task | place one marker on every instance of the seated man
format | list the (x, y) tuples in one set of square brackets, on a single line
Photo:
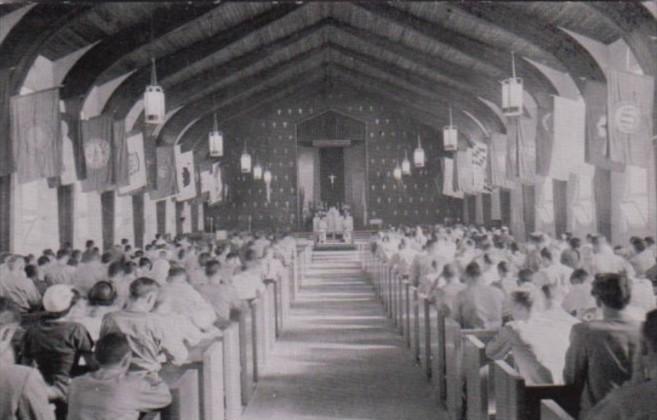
[(221, 294), (23, 392), (15, 285), (184, 300), (143, 329), (112, 392), (538, 343), (634, 401), (578, 301), (601, 352), (478, 305)]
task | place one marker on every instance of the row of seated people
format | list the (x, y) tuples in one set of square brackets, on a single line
[(92, 345), (564, 312)]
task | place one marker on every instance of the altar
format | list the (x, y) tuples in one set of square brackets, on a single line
[(334, 225)]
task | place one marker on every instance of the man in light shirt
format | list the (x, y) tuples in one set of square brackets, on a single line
[(60, 272), (478, 305), (161, 266)]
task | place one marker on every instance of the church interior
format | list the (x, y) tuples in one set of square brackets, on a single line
[(323, 210)]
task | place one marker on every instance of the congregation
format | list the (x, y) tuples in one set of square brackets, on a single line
[(85, 335), (562, 311)]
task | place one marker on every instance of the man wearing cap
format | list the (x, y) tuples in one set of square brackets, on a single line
[(56, 344)]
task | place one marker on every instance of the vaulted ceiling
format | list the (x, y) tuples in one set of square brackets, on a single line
[(231, 57)]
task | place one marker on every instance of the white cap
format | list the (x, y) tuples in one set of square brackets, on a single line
[(58, 298)]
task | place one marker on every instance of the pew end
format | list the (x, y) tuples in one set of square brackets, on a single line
[(184, 386)]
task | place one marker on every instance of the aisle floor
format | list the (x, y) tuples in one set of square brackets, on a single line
[(339, 357)]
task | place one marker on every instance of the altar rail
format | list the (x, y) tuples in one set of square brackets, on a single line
[(467, 385)]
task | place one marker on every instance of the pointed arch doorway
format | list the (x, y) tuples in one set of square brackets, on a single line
[(331, 166)]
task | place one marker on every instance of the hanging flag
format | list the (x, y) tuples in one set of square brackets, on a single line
[(7, 163), (497, 159), (35, 134), (568, 150), (136, 164), (206, 181), (629, 116), (464, 171), (521, 149), (216, 193), (479, 167), (448, 177), (597, 138), (544, 139), (120, 155), (185, 175), (97, 137), (166, 173), (69, 173)]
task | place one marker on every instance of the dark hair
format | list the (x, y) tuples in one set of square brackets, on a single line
[(649, 240), (250, 255), (106, 257), (102, 293), (142, 287), (176, 271), (111, 349), (30, 270), (578, 276), (613, 290), (473, 270), (143, 262), (522, 297), (115, 268), (575, 243), (545, 253), (649, 329), (212, 267), (525, 276), (503, 267), (63, 253), (639, 245), (89, 244)]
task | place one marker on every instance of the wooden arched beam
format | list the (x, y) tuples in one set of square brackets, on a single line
[(497, 61), (207, 104), (82, 76), (124, 97), (23, 43), (575, 59)]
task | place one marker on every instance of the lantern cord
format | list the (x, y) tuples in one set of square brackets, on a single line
[(513, 64), (450, 116)]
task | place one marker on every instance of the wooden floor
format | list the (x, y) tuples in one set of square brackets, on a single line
[(338, 357)]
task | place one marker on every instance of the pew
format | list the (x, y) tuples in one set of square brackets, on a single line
[(232, 371), (480, 404), (454, 374), (514, 400), (183, 384), (247, 351), (438, 374), (550, 410), (259, 337)]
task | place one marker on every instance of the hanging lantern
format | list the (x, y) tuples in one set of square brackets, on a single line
[(406, 165), (216, 140), (512, 89), (418, 155), (245, 161), (257, 171), (154, 104), (266, 176), (450, 135), (397, 172)]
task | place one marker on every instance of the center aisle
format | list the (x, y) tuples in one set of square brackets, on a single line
[(338, 357)]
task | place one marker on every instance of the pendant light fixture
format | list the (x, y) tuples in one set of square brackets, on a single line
[(257, 171), (266, 176), (419, 156), (154, 102), (397, 172), (450, 135), (216, 140), (406, 165), (512, 90), (245, 160)]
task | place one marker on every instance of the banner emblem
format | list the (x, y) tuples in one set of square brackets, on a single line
[(627, 117), (97, 153)]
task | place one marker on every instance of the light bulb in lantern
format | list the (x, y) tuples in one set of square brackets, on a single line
[(245, 161), (257, 171), (216, 140), (406, 165), (154, 101), (512, 93), (397, 172), (419, 157), (267, 176)]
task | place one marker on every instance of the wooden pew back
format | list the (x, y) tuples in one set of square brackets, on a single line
[(184, 385), (550, 410), (516, 401), (479, 389)]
